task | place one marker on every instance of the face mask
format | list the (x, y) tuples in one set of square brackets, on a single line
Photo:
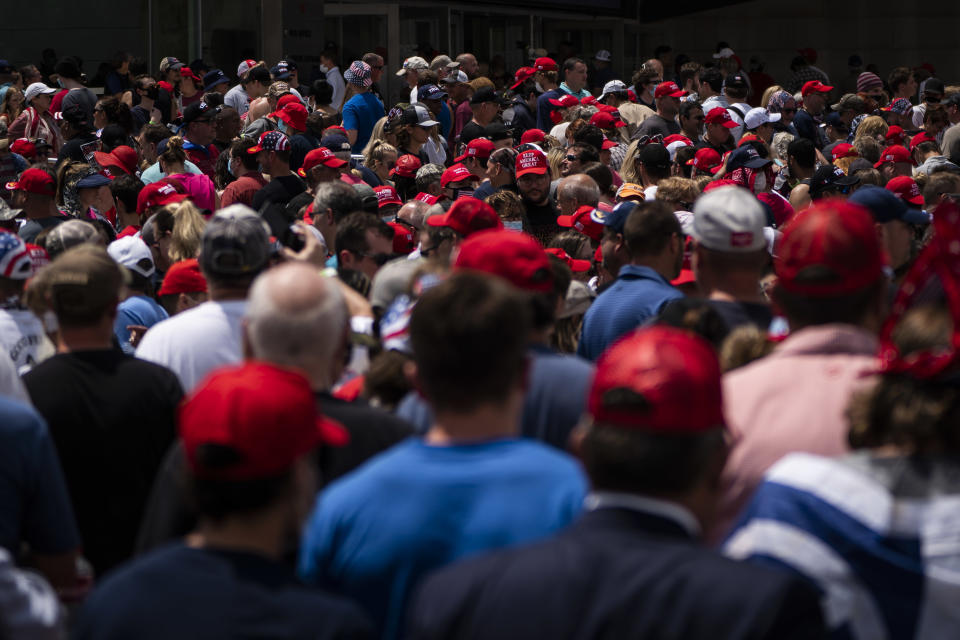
[(230, 167), (324, 68), (539, 87), (653, 89), (59, 82), (259, 168), (461, 193), (513, 225), (760, 183)]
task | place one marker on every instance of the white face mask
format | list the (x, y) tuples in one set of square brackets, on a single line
[(760, 183), (513, 225), (539, 87), (324, 68)]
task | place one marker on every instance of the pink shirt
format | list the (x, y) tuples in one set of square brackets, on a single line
[(795, 399)]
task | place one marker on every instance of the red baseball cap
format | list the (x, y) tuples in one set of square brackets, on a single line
[(477, 148), (832, 236), (426, 197), (645, 381), (456, 173), (522, 75), (894, 153), (515, 257), (158, 194), (123, 158), (845, 150), (407, 166), (894, 134), (34, 181), (387, 195), (669, 89), (532, 136), (545, 64), (606, 120), (402, 238), (565, 101), (294, 114), (532, 161), (320, 156), (706, 159), (23, 147), (577, 266), (608, 144), (907, 189), (582, 221), (265, 414), (183, 277), (814, 85), (719, 115), (467, 216), (921, 137), (289, 98)]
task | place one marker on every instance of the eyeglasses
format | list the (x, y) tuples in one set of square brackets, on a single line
[(406, 224), (572, 158), (788, 110), (98, 109), (379, 259)]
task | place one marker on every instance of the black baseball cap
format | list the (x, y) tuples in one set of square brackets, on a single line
[(829, 177), (486, 94)]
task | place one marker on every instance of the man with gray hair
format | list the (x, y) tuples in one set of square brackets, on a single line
[(294, 317), (576, 191), (235, 248), (428, 179), (333, 202)]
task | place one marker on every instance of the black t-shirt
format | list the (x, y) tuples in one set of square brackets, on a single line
[(738, 314), (73, 148), (719, 148), (112, 417), (541, 221), (471, 131), (656, 125), (140, 117), (186, 593), (169, 514), (279, 190)]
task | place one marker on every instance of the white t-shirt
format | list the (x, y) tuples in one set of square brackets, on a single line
[(335, 78), (23, 338), (197, 341), (10, 384)]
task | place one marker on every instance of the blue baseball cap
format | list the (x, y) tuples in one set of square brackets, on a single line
[(431, 92), (92, 181), (885, 206), (213, 78), (615, 219)]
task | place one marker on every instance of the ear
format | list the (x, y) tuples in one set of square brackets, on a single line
[(245, 330), (345, 258), (576, 438)]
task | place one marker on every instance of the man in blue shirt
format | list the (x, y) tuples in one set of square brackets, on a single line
[(139, 310), (470, 485), (545, 80), (362, 111), (807, 118), (645, 242)]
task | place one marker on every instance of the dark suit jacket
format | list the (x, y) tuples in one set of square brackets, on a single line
[(616, 573)]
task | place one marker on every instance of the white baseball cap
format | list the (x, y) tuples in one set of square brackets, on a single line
[(603, 55), (35, 90), (758, 116), (729, 219), (614, 86), (413, 62), (134, 254), (726, 52)]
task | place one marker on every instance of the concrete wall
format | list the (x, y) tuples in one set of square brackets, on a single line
[(887, 33)]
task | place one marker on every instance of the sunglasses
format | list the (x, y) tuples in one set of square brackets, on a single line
[(788, 110), (404, 223), (571, 158), (379, 259)]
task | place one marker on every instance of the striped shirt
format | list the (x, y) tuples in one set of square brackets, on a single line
[(879, 536)]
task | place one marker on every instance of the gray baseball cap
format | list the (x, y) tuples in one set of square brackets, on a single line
[(236, 242)]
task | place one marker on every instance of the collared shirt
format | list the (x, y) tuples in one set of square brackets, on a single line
[(795, 399), (638, 294), (583, 93), (660, 508)]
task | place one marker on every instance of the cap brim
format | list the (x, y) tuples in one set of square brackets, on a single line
[(846, 181), (579, 266), (916, 216), (686, 277), (332, 432), (438, 221), (774, 117), (730, 124), (254, 149), (756, 163), (537, 170), (386, 203), (565, 221), (428, 123), (401, 72)]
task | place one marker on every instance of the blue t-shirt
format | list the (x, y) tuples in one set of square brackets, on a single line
[(34, 504), (806, 127), (210, 593), (136, 310), (544, 108), (416, 507), (361, 113), (638, 294), (445, 119)]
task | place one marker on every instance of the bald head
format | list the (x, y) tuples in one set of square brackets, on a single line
[(576, 191), (297, 318), (653, 63), (414, 213)]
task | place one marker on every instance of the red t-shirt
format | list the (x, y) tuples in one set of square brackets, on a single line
[(242, 189), (206, 162), (57, 103), (130, 230)]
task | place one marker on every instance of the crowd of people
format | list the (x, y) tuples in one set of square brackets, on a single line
[(557, 355)]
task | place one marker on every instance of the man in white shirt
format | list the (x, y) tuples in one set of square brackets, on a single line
[(236, 247), (22, 335), (328, 64)]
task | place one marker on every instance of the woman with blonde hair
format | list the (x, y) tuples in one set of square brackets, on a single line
[(874, 127), (11, 106), (188, 225), (630, 168), (380, 157), (555, 159)]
